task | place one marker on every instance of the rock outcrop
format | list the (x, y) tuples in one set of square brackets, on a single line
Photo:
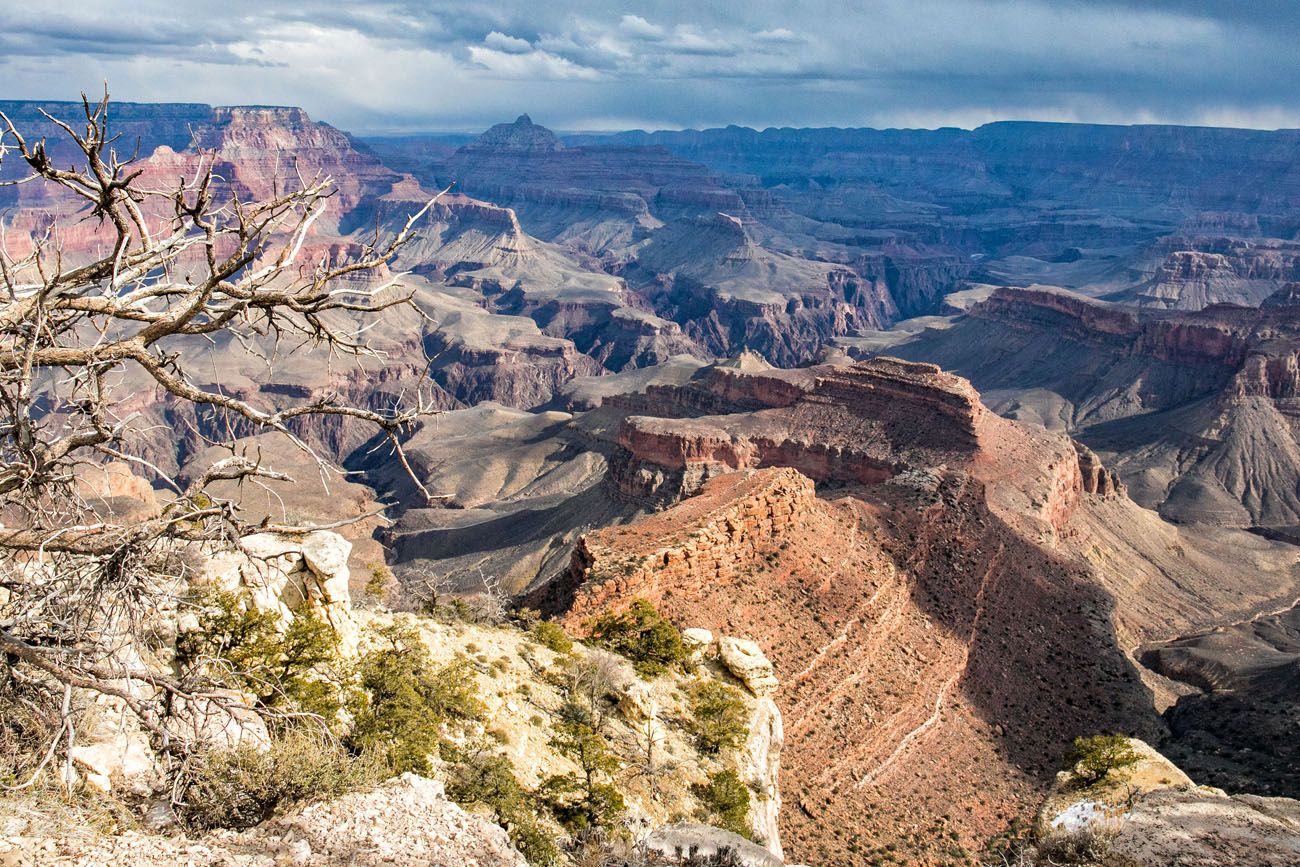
[(746, 661), (407, 821), (1201, 271), (1152, 815), (285, 574), (678, 843), (861, 422), (731, 526)]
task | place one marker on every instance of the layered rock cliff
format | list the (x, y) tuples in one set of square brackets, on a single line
[(1193, 409), (904, 612)]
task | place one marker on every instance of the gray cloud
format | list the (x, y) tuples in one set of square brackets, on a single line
[(579, 64)]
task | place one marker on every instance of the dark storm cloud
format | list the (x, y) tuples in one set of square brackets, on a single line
[(374, 64)]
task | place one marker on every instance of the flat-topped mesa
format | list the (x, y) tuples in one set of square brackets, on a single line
[(1218, 334), (1041, 306), (900, 392), (743, 384), (862, 422), (708, 541)]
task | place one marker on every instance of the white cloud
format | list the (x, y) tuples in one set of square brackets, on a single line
[(509, 44), (535, 65), (779, 35), (578, 63), (638, 27)]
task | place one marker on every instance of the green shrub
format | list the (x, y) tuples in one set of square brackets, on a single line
[(489, 780), (243, 648), (552, 635), (378, 585), (719, 719), (642, 635), (587, 799), (1092, 759), (405, 698), (726, 803), (242, 787)]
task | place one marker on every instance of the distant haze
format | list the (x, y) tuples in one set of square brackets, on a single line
[(376, 66)]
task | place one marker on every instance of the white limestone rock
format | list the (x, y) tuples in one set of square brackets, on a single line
[(697, 641), (746, 660), (284, 573)]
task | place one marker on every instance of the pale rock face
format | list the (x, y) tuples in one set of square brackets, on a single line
[(283, 573), (117, 755), (698, 641), (1156, 816), (746, 660), (760, 767), (760, 759), (672, 842)]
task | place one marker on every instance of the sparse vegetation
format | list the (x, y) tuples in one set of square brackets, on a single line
[(726, 802), (1094, 758), (1087, 846), (481, 778), (380, 584), (587, 799), (241, 787), (243, 648), (643, 635), (552, 635), (719, 719), (405, 698)]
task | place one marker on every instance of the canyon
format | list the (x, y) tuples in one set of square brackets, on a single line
[(985, 439)]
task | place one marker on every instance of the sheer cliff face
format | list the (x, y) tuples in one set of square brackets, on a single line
[(1195, 410), (947, 596), (1197, 272)]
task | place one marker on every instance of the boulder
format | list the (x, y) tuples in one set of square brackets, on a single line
[(1153, 815), (746, 660), (675, 844), (697, 641), (119, 760)]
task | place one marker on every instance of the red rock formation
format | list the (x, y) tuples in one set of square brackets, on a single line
[(939, 632), (861, 422), (709, 543)]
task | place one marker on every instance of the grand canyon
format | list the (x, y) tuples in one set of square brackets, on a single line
[(936, 450)]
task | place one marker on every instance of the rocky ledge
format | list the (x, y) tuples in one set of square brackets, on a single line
[(407, 821), (862, 422), (708, 541)]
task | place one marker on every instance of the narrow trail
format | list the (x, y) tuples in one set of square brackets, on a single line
[(849, 627), (941, 697), (884, 627), (903, 745)]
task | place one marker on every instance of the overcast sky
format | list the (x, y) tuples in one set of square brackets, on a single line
[(378, 65)]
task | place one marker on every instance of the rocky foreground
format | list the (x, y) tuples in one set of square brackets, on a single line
[(406, 821)]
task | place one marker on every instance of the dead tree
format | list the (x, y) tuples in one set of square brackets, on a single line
[(170, 269)]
